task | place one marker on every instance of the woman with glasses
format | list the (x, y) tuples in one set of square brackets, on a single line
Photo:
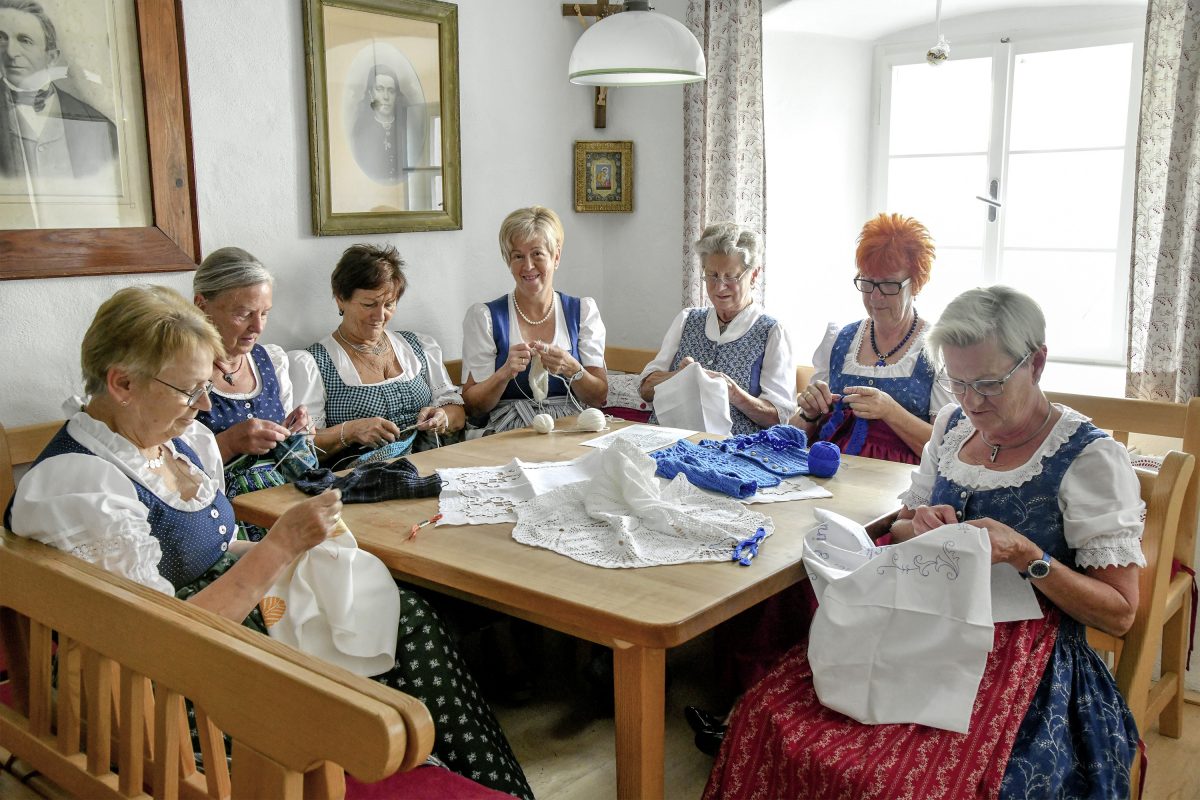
[(734, 339), (1060, 503), (134, 484), (873, 392), (532, 350)]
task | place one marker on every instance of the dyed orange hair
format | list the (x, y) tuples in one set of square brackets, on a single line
[(891, 243)]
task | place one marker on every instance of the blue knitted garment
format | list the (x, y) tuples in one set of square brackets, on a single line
[(710, 468), (780, 449)]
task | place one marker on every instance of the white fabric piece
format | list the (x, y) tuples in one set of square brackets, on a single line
[(777, 379), (1099, 495), (644, 437), (623, 517), (338, 603), (309, 389), (901, 633), (486, 495), (479, 348), (797, 488), (693, 399)]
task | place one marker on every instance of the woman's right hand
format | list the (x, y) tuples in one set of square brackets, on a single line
[(927, 518), (816, 400), (256, 436), (519, 356), (305, 525), (372, 431)]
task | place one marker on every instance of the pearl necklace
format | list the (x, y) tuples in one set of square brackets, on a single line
[(883, 357), (369, 349), (228, 376), (157, 461), (549, 313), (996, 448)]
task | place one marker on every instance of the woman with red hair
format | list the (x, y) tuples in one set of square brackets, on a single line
[(873, 392)]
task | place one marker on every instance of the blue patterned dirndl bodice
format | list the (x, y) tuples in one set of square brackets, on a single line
[(518, 387), (1078, 738), (229, 411), (191, 541), (395, 400), (912, 392), (741, 359)]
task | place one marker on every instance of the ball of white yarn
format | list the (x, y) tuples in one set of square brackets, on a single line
[(591, 419), (543, 423)]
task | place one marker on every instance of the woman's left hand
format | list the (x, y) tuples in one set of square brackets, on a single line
[(733, 389), (1008, 546), (869, 403), (432, 418), (556, 360)]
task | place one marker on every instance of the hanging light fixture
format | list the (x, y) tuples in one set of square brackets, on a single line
[(636, 47), (940, 51)]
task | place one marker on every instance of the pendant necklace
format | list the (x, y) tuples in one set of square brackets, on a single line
[(228, 376), (157, 461), (549, 313), (369, 349), (883, 357), (996, 448)]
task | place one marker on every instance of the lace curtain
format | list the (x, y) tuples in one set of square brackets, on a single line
[(724, 174), (1164, 313)]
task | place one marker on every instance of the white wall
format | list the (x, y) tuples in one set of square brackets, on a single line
[(520, 118), (816, 93)]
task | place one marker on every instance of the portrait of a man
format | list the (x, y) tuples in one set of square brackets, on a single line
[(378, 137), (46, 132)]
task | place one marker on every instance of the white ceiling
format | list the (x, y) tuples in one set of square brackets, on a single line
[(868, 20)]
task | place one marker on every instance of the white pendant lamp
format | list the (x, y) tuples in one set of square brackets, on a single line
[(636, 47)]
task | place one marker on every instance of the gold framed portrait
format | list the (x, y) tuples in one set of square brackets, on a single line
[(604, 177)]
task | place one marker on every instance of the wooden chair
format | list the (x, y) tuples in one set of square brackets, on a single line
[(1177, 421)]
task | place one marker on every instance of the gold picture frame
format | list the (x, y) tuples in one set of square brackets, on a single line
[(383, 116), (604, 177)]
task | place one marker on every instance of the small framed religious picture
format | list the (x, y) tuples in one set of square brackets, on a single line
[(383, 115), (604, 176)]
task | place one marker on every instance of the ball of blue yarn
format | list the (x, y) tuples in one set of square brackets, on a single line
[(824, 458)]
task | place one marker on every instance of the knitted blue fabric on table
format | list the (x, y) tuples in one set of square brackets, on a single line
[(710, 468), (780, 449)]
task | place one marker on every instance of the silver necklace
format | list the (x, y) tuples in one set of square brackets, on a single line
[(996, 448), (157, 461), (549, 313), (369, 349)]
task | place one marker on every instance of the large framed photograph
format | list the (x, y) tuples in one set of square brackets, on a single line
[(383, 115), (95, 164), (604, 176)]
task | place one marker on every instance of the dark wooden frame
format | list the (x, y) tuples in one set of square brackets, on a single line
[(172, 242), (325, 221)]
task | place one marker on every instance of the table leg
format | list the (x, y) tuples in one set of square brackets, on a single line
[(639, 685)]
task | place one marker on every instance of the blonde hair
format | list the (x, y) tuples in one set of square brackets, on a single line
[(528, 223), (141, 329)]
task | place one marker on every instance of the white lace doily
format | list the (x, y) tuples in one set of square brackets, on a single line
[(623, 517)]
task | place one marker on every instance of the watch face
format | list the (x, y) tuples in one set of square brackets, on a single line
[(1039, 568)]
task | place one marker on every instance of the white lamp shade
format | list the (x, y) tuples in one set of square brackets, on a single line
[(636, 48)]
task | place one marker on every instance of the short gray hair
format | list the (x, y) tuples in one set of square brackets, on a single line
[(228, 268), (1012, 318), (731, 239)]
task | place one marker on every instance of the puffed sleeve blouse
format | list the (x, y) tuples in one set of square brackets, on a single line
[(309, 389), (87, 506), (1099, 496), (479, 346)]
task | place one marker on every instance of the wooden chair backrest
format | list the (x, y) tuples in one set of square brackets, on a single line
[(20, 446)]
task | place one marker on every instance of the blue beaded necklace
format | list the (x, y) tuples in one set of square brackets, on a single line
[(883, 357)]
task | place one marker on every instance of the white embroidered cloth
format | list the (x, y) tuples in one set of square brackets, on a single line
[(644, 437), (624, 517), (485, 495)]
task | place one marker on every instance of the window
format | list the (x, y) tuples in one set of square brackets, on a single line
[(1019, 157)]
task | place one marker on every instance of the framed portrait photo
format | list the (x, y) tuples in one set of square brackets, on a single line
[(604, 176), (96, 171), (383, 115)]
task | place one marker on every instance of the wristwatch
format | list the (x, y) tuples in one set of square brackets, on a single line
[(1039, 567), (576, 376)]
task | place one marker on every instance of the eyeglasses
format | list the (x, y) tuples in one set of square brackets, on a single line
[(984, 388), (193, 397), (889, 288), (724, 280)]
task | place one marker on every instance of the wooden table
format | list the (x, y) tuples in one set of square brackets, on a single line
[(639, 613)]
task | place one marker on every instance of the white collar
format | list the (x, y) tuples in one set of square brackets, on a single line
[(737, 327)]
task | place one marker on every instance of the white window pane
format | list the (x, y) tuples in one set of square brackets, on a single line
[(940, 191), (1071, 98), (945, 109), (1077, 293), (1064, 199), (954, 271)]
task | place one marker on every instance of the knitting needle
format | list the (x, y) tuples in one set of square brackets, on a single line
[(412, 532)]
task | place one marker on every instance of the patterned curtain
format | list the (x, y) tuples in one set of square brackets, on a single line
[(724, 174), (1164, 307)]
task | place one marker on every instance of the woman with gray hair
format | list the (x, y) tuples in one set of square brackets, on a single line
[(1060, 503), (734, 339)]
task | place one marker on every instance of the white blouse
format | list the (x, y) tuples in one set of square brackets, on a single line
[(479, 348), (279, 360), (1099, 496), (777, 381), (88, 506), (938, 397), (309, 389)]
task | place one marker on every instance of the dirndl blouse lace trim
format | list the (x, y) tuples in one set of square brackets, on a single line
[(1109, 534)]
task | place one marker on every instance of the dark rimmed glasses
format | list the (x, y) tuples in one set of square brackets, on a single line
[(889, 288), (193, 397), (984, 388)]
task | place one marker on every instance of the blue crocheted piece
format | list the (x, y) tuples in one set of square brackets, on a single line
[(780, 449), (710, 468), (858, 433)]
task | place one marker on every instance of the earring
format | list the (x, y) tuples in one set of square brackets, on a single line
[(341, 312), (124, 402)]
